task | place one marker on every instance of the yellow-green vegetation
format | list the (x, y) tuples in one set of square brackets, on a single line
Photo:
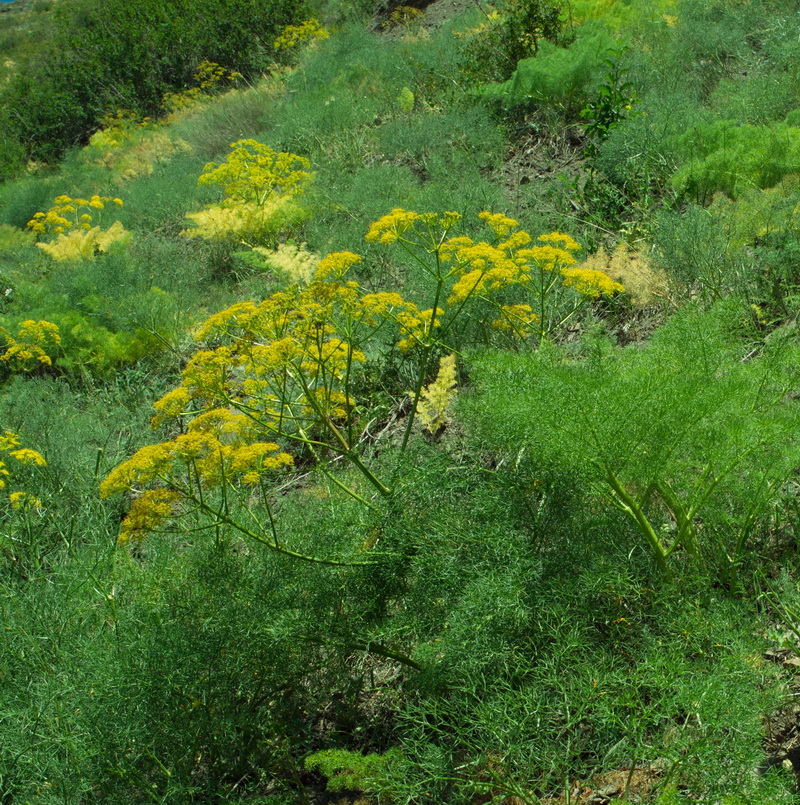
[(304, 33), (68, 225), (423, 427), (260, 187), (10, 448)]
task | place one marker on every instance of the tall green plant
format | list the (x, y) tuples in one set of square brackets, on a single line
[(690, 437)]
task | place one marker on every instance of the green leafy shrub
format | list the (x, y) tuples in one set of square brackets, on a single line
[(123, 56), (730, 157), (680, 433), (350, 771), (511, 33), (564, 77), (106, 312)]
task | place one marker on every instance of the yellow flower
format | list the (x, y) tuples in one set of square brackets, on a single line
[(22, 500), (516, 319), (336, 264), (8, 440), (500, 224), (590, 282), (143, 467), (148, 512), (27, 456), (392, 226), (560, 240), (171, 406), (435, 399), (293, 35)]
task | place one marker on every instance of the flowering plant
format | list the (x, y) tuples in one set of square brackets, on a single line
[(71, 220), (29, 348), (274, 382), (21, 456), (260, 185)]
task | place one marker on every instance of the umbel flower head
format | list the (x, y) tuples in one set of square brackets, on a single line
[(29, 348), (20, 457), (69, 225), (435, 399)]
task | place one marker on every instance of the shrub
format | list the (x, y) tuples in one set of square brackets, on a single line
[(684, 436), (731, 157), (510, 34), (260, 186), (564, 77), (123, 55)]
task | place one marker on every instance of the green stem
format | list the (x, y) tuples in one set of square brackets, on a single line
[(343, 447), (423, 370), (630, 505), (369, 647), (226, 520)]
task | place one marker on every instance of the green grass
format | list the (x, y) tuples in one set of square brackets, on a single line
[(514, 632)]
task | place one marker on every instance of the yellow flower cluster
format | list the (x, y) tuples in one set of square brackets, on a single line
[(117, 128), (436, 398), (23, 500), (208, 76), (84, 244), (294, 35), (273, 371), (23, 456), (147, 513), (516, 319), (295, 262), (393, 226), (253, 171), (27, 350), (27, 456), (415, 326), (69, 213), (482, 270), (260, 185), (500, 224), (336, 265), (69, 222), (590, 282), (207, 455), (241, 220)]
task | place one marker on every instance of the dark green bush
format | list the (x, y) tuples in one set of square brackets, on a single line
[(564, 77), (517, 32), (105, 56)]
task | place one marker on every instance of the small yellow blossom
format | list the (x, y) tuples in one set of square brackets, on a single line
[(590, 282), (392, 226), (516, 319), (435, 399), (22, 500), (27, 456), (171, 406), (293, 35), (336, 265), (26, 351), (500, 224), (8, 440), (148, 512)]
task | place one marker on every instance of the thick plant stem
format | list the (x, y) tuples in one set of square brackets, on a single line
[(417, 394), (631, 506)]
